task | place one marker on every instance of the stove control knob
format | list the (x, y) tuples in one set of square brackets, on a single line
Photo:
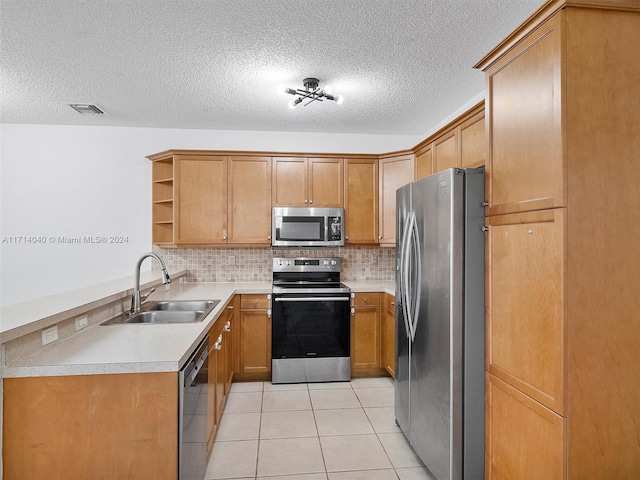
[(279, 263), (289, 263), (334, 263), (325, 262)]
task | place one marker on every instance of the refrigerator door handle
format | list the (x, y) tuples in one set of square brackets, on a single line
[(408, 267), (417, 285), (403, 279)]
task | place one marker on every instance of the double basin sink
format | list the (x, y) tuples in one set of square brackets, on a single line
[(164, 312)]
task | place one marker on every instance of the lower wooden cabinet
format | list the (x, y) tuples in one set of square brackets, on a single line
[(91, 426), (389, 334), (255, 336), (525, 440), (220, 370), (365, 334)]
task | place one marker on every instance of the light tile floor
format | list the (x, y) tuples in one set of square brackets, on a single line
[(315, 431)]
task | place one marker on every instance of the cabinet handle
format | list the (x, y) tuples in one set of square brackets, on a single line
[(346, 237), (310, 201), (353, 295), (485, 228), (268, 296), (392, 304), (230, 307), (306, 201), (269, 313), (353, 311), (380, 237), (227, 327), (485, 204), (269, 237)]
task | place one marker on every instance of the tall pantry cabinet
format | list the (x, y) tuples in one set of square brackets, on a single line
[(563, 255)]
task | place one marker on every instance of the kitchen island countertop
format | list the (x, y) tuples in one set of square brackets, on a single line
[(135, 348)]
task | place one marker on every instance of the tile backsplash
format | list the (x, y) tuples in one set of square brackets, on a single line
[(254, 264)]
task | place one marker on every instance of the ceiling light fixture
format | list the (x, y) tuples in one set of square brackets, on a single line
[(312, 92)]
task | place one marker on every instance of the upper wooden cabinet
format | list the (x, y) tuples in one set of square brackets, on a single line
[(394, 172), (249, 204), (307, 182), (424, 162), (201, 199), (446, 151), (462, 143), (473, 141), (361, 201), (527, 170)]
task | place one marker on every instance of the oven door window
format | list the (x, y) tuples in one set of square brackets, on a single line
[(300, 229), (310, 326)]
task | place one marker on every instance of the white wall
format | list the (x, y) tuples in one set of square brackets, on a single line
[(70, 181)]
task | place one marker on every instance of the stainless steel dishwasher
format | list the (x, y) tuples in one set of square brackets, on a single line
[(192, 405)]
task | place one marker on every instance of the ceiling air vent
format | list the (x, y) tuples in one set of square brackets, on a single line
[(87, 109)]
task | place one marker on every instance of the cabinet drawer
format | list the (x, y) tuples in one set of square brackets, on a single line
[(366, 299), (255, 301)]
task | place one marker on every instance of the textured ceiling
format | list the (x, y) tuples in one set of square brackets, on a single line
[(401, 65)]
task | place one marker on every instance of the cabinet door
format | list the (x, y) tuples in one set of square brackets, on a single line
[(255, 334), (289, 182), (473, 143), (361, 200), (527, 168), (201, 199), (220, 348), (389, 335), (249, 211), (365, 331), (326, 182), (424, 163), (394, 173), (526, 297), (525, 440), (446, 152), (227, 335)]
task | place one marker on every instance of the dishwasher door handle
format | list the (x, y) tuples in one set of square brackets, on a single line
[(313, 299)]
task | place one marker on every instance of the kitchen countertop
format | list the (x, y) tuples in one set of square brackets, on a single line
[(131, 348)]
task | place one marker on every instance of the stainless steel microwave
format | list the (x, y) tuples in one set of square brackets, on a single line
[(307, 227)]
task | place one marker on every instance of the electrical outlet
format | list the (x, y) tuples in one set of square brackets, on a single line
[(232, 259), (81, 322), (49, 335)]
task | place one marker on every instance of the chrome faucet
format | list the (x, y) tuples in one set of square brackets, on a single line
[(137, 298)]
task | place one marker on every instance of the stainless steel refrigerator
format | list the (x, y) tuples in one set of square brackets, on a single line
[(439, 387)]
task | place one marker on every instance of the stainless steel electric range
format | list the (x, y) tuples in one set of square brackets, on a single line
[(311, 324)]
